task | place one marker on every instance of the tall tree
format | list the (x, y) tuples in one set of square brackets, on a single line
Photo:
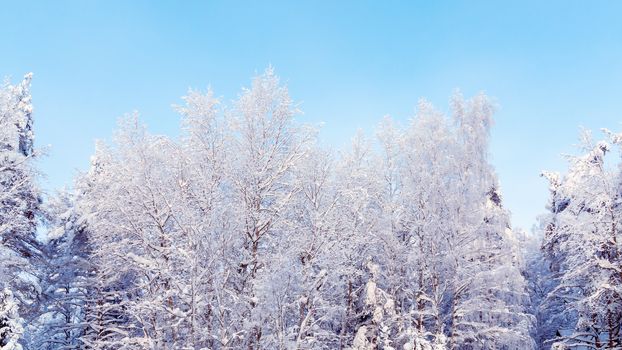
[(489, 295), (583, 305), (20, 252), (266, 147), (66, 278)]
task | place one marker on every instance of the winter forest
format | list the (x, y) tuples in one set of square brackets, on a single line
[(245, 233)]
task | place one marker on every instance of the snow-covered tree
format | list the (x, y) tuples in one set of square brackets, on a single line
[(265, 148), (66, 278), (244, 233), (140, 241), (20, 251), (583, 305), (489, 295), (11, 328), (428, 175)]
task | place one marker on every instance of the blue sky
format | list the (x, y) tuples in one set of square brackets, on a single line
[(552, 66)]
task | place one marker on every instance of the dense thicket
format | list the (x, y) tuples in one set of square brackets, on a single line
[(244, 233)]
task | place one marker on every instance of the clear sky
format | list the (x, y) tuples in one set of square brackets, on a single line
[(552, 66)]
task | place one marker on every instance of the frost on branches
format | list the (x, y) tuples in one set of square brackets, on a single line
[(10, 322), (20, 252), (582, 307), (245, 233)]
